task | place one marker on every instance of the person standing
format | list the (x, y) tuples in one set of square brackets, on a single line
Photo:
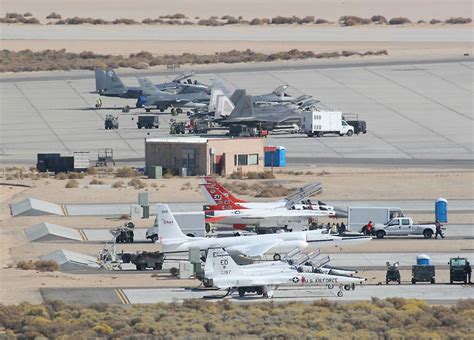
[(438, 230), (468, 271), (370, 228)]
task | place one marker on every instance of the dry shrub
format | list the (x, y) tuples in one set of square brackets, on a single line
[(53, 15), (308, 173), (61, 176), (124, 217), (124, 21), (72, 183), (309, 19), (252, 175), (379, 19), (279, 20), (40, 265), (269, 190), (27, 14), (323, 173), (136, 183), (351, 20), (187, 186), (96, 182), (173, 16), (399, 21), (435, 21), (210, 22), (458, 20), (75, 175), (259, 21), (126, 172), (118, 184), (321, 21), (91, 170)]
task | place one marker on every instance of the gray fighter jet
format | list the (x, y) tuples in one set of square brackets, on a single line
[(246, 112), (153, 97), (108, 84), (279, 96)]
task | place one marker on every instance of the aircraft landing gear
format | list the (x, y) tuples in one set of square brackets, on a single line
[(277, 257), (340, 293)]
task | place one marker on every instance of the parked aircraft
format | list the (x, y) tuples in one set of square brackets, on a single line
[(108, 84), (174, 240), (266, 117), (220, 198), (153, 97), (279, 96), (226, 274)]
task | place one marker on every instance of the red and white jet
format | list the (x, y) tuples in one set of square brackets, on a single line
[(226, 209)]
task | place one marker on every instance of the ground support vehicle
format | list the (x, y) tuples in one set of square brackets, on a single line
[(148, 122), (177, 128), (111, 122), (456, 269), (423, 273), (246, 131), (144, 260), (393, 274), (320, 123)]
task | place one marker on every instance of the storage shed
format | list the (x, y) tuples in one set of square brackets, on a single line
[(191, 156)]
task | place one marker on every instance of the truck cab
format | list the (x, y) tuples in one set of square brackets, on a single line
[(402, 226)]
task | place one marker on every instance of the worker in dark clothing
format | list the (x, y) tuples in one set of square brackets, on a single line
[(468, 271), (369, 228), (438, 230), (342, 228)]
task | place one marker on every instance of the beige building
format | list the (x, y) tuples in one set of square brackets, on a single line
[(205, 156)]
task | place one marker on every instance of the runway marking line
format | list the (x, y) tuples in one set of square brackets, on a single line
[(122, 297), (83, 235)]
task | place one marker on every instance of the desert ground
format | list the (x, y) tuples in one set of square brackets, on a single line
[(338, 183)]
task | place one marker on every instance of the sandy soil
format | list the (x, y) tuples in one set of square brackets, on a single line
[(17, 285), (331, 10)]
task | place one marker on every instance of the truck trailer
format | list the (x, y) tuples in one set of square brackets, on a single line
[(319, 123), (358, 217)]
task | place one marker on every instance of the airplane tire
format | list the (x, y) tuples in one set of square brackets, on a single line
[(340, 293), (241, 292), (347, 287), (331, 286), (154, 238), (277, 257)]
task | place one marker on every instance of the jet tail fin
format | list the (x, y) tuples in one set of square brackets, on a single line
[(168, 228), (217, 194), (147, 86), (100, 79), (112, 82), (243, 104), (221, 264)]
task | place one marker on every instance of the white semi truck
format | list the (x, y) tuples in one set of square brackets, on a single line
[(319, 123)]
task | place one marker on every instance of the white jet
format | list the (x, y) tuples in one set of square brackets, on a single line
[(174, 240), (226, 274)]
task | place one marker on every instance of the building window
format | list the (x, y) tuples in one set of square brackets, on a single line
[(253, 159), (240, 159)]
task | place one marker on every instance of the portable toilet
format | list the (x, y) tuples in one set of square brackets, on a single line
[(275, 156), (423, 260), (441, 210)]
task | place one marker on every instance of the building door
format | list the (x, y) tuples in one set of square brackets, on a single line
[(189, 161), (218, 164)]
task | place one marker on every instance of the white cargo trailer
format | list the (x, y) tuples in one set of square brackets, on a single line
[(319, 123), (358, 217)]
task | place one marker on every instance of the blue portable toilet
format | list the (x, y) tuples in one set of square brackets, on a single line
[(441, 210), (275, 156), (423, 260)]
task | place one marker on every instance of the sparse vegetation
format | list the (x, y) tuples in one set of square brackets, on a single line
[(48, 60), (379, 19), (252, 175), (118, 184), (53, 15), (61, 176), (40, 265), (75, 175), (321, 21), (354, 20), (393, 318), (258, 190), (435, 21), (91, 171), (72, 183), (126, 172), (96, 182), (136, 183), (458, 20), (17, 18), (399, 21)]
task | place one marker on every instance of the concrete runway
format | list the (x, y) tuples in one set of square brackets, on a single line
[(417, 114), (436, 294)]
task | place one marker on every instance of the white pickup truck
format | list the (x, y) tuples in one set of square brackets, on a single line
[(402, 226)]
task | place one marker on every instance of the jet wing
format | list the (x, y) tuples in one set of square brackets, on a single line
[(257, 249)]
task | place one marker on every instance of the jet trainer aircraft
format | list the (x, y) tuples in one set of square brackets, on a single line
[(108, 84), (162, 100), (264, 280), (173, 240)]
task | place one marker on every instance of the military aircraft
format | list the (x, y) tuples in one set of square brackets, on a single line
[(173, 240), (265, 117), (279, 96), (153, 97), (219, 198), (264, 280), (108, 84)]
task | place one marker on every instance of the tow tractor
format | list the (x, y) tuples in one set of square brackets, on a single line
[(456, 269)]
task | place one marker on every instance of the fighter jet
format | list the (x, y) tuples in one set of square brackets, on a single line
[(153, 97), (108, 84), (264, 280), (219, 198), (279, 96), (173, 240), (266, 117)]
